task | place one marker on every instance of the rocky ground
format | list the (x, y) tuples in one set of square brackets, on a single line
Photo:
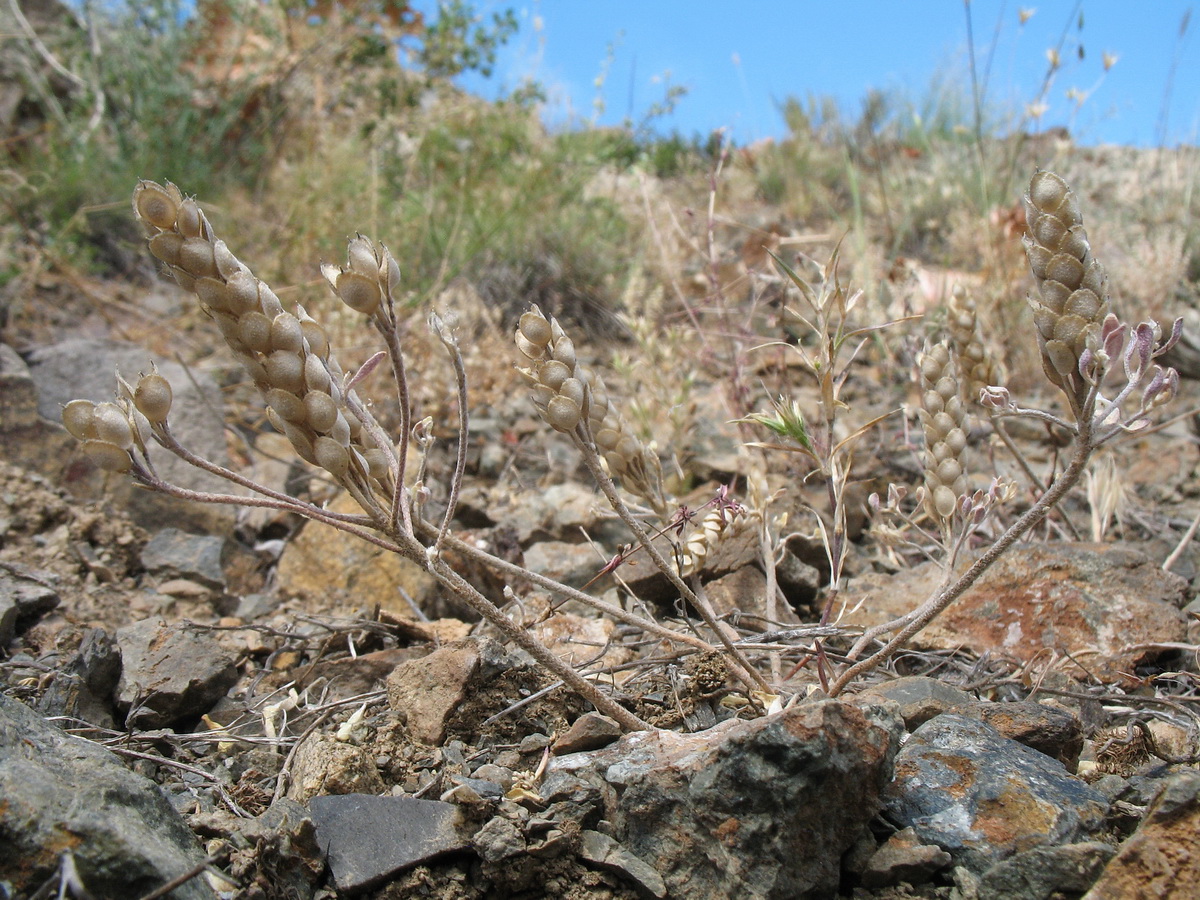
[(200, 702)]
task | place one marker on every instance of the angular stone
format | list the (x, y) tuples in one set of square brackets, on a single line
[(370, 839), (601, 850), (920, 698), (1052, 730), (579, 639), (749, 809), (1074, 598), (571, 564), (61, 794), (22, 597), (427, 692), (82, 368), (498, 839), (1047, 872), (169, 673), (591, 731), (1162, 858), (84, 688), (18, 396), (904, 858), (962, 785), (335, 566), (326, 766), (172, 553)]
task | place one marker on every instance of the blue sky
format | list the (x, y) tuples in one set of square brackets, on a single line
[(739, 60)]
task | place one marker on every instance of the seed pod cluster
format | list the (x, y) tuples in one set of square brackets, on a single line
[(370, 276), (944, 416), (567, 396), (1072, 300), (287, 355), (106, 430), (560, 386), (713, 528), (978, 369)]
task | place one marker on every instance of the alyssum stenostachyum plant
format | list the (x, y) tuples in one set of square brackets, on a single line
[(1104, 367)]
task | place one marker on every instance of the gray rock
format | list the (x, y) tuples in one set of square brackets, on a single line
[(571, 564), (84, 688), (172, 553), (22, 596), (498, 839), (904, 858), (920, 698), (962, 785), (591, 731), (18, 395), (1055, 731), (82, 368), (169, 673), (601, 850), (64, 794), (370, 839), (1162, 857), (1042, 872), (748, 809)]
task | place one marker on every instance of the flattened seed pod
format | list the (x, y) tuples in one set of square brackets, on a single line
[(213, 293), (563, 413), (108, 456), (286, 333), (189, 220), (112, 425), (285, 370), (318, 340), (254, 331), (316, 376), (377, 463), (157, 205), (197, 259), (359, 292), (153, 397), (78, 417), (287, 405), (331, 456), (243, 293), (320, 411), (166, 247), (534, 328)]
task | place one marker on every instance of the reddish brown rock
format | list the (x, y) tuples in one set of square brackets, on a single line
[(1162, 858), (1101, 604)]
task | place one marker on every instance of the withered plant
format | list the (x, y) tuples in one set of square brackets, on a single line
[(1105, 369)]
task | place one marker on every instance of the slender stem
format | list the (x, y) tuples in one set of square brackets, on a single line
[(570, 593), (535, 648), (460, 462), (748, 674), (386, 323), (944, 597)]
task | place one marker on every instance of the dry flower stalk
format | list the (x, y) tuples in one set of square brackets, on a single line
[(1082, 344), (1072, 301), (978, 368), (944, 417), (568, 397), (287, 356)]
